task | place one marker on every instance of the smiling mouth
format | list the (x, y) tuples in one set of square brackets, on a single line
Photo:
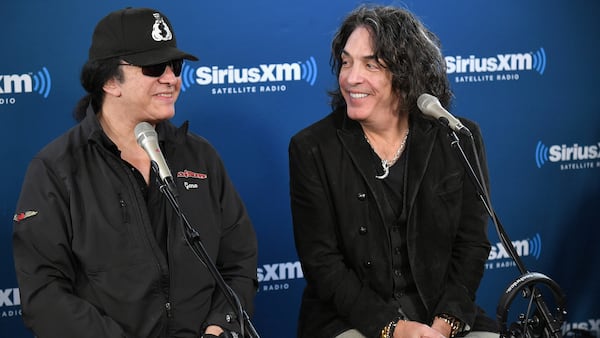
[(358, 95)]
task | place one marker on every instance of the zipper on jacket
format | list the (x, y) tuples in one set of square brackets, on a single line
[(123, 206), (168, 308)]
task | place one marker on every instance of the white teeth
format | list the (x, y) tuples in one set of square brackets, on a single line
[(358, 96)]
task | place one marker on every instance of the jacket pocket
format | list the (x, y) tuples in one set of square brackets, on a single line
[(449, 185)]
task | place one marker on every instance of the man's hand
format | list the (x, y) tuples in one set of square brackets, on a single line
[(213, 330), (410, 329)]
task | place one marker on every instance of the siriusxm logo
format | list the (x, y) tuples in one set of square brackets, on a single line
[(279, 272), (277, 277), (592, 325), (39, 82), (565, 153), (501, 67), (263, 74), (499, 63), (10, 297), (526, 247)]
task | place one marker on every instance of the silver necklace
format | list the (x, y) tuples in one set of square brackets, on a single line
[(385, 164)]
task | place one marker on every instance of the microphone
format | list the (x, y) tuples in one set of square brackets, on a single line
[(430, 106), (147, 138)]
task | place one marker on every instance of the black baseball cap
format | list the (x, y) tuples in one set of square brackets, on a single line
[(140, 36)]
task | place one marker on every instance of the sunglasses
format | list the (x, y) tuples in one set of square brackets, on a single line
[(158, 70)]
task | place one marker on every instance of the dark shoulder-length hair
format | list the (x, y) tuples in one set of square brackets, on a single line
[(94, 74), (403, 45)]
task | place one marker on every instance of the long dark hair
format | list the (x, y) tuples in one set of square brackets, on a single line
[(410, 51), (94, 75)]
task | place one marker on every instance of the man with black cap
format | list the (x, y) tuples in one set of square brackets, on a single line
[(98, 249)]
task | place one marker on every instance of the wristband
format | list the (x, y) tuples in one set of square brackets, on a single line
[(455, 324)]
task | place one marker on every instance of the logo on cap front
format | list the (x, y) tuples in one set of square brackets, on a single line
[(160, 29)]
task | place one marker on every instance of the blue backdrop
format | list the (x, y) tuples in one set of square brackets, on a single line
[(527, 71)]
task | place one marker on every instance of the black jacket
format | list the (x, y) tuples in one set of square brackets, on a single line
[(87, 262), (344, 247)]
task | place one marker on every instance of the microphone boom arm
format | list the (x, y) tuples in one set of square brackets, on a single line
[(192, 238), (551, 324)]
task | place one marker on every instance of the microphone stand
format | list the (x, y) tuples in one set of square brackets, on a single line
[(193, 239), (552, 325)]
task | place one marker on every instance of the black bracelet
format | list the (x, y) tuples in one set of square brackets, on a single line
[(208, 335), (393, 327)]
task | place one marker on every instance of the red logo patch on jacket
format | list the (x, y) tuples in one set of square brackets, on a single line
[(190, 174), (23, 215)]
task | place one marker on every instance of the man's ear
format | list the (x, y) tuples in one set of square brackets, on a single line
[(112, 87)]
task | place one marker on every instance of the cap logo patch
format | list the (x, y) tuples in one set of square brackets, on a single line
[(160, 30)]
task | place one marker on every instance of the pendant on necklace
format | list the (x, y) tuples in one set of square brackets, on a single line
[(386, 170), (385, 164)]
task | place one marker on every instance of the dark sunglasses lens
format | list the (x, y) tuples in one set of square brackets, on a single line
[(154, 70), (176, 65), (159, 69)]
